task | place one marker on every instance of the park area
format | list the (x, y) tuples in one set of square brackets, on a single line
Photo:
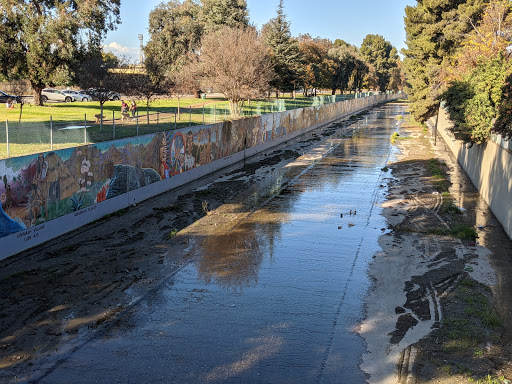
[(63, 125)]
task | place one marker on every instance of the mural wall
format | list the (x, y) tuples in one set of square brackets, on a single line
[(37, 189)]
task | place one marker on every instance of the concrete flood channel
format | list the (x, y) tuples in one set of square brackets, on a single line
[(279, 295), (276, 299)]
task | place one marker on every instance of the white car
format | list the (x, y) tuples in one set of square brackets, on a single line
[(77, 95), (55, 95)]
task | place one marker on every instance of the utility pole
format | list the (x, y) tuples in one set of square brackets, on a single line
[(141, 57)]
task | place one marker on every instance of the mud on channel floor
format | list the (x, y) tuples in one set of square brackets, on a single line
[(440, 308)]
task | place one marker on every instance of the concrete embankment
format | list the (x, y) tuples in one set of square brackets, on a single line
[(489, 166)]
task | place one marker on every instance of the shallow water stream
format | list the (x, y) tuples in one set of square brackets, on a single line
[(275, 299)]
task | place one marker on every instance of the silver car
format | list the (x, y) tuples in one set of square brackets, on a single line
[(55, 95), (77, 95)]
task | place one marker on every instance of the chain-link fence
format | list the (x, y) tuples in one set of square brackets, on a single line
[(22, 138)]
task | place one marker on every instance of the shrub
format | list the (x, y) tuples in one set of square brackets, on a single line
[(475, 102)]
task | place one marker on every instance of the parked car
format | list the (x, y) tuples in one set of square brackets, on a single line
[(77, 95), (55, 95), (4, 97), (97, 93)]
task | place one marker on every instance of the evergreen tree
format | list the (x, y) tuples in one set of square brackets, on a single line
[(175, 34), (380, 54), (434, 30), (284, 51), (222, 13), (348, 69)]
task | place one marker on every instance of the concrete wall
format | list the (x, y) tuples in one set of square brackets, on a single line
[(489, 167), (48, 194)]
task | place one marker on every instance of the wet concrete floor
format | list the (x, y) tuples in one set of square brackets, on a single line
[(274, 300)]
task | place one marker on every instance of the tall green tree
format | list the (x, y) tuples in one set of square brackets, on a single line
[(317, 68), (349, 68), (224, 13), (434, 30), (175, 32), (40, 40), (283, 50), (359, 68), (379, 53)]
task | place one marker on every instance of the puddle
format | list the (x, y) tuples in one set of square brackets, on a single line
[(70, 127)]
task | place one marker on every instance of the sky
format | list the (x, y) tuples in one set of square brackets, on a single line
[(350, 20)]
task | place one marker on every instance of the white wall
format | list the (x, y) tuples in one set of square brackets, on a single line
[(489, 166)]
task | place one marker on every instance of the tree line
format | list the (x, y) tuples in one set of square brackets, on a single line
[(193, 45), (460, 53), (211, 44)]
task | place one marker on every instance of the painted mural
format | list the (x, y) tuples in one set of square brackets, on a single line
[(39, 188)]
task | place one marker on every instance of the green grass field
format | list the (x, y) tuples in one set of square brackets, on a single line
[(32, 134)]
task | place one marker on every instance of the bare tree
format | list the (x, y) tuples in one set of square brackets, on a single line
[(182, 83), (98, 75), (143, 87), (234, 61)]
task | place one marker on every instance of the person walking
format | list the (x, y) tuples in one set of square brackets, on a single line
[(133, 108)]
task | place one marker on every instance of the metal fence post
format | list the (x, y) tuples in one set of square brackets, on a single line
[(51, 133), (85, 128), (190, 117), (113, 126), (175, 123), (7, 135), (137, 122)]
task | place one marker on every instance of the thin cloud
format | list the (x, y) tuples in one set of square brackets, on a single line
[(118, 49)]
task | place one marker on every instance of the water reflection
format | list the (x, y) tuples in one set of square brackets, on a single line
[(232, 260)]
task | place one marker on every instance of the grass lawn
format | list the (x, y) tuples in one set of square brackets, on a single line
[(32, 134)]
